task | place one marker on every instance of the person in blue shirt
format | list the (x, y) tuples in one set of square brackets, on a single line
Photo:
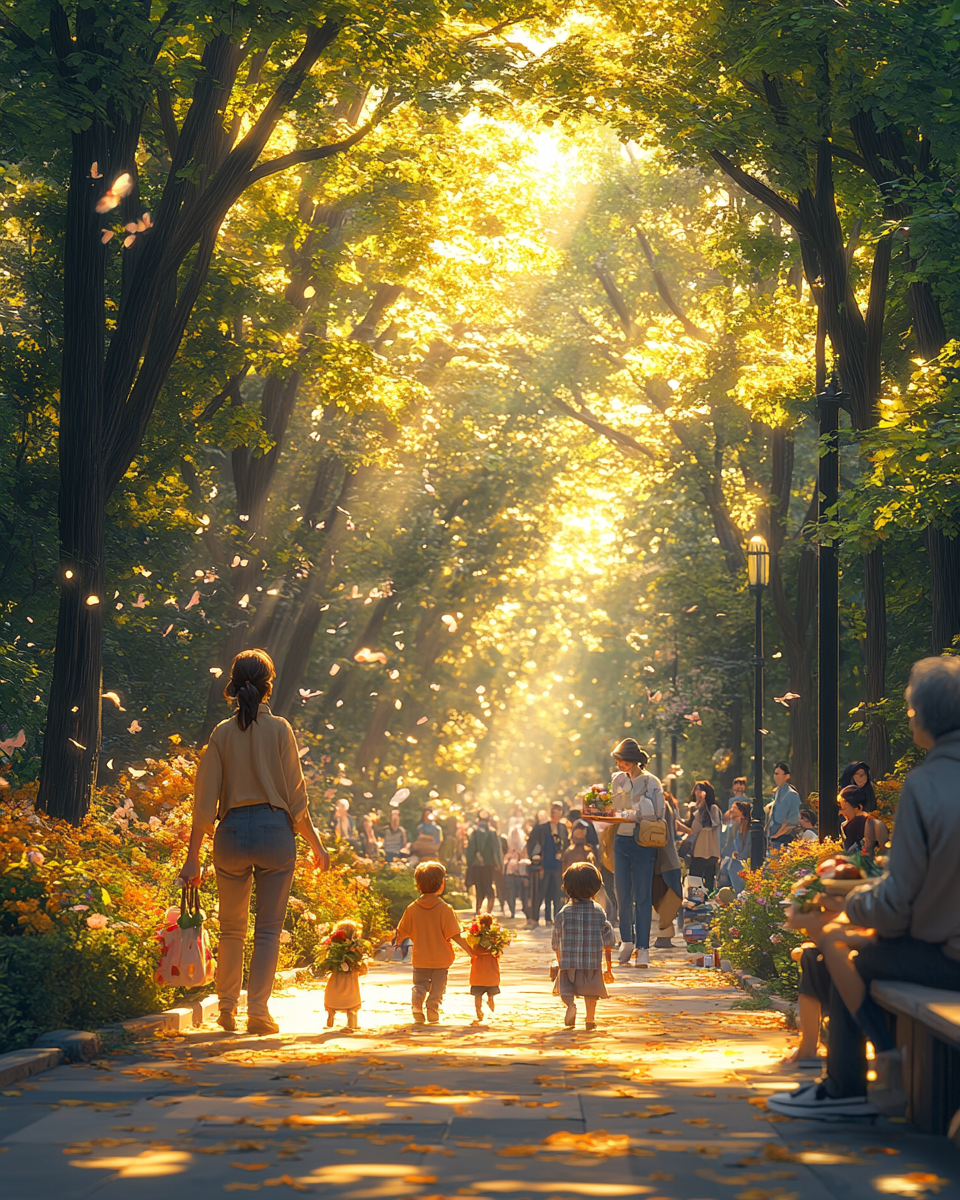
[(785, 814)]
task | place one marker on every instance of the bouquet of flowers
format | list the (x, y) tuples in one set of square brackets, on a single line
[(596, 798), (491, 937), (343, 952)]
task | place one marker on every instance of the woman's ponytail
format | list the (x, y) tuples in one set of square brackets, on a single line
[(251, 682)]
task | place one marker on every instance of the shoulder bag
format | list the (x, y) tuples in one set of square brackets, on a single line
[(651, 831)]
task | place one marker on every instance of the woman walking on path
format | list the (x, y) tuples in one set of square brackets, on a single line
[(704, 828), (640, 796), (249, 780)]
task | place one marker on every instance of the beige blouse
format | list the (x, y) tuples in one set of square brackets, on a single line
[(706, 838), (256, 765)]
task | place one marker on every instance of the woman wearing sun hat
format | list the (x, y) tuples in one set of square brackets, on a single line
[(638, 795)]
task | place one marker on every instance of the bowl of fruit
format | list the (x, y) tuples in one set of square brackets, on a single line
[(844, 872)]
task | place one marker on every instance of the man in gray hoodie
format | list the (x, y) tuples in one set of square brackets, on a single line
[(903, 926)]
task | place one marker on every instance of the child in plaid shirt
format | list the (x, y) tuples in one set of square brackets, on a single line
[(582, 937)]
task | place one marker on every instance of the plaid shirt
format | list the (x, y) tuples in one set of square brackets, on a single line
[(580, 934)]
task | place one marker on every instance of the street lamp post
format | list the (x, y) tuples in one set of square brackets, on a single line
[(758, 576), (829, 403)]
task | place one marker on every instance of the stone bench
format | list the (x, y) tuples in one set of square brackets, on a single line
[(927, 1022)]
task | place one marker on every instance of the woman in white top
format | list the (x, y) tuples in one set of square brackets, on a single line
[(640, 795)]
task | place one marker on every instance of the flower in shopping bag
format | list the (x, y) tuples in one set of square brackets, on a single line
[(97, 921)]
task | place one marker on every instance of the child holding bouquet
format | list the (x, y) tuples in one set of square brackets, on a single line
[(487, 939), (582, 939), (345, 961)]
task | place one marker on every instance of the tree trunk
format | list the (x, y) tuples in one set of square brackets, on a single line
[(71, 745), (944, 553), (875, 655)]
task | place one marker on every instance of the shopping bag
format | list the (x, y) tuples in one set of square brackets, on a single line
[(186, 959)]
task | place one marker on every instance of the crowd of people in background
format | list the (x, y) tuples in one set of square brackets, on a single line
[(515, 864)]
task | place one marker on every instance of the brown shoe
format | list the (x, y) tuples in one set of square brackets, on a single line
[(433, 1016), (418, 1017), (227, 1021), (262, 1026)]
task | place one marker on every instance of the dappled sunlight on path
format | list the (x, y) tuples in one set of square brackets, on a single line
[(664, 1100)]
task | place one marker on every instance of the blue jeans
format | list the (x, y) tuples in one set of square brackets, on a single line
[(254, 846), (633, 868), (513, 887), (550, 895)]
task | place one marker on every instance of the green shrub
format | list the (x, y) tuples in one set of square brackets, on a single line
[(397, 889), (73, 980)]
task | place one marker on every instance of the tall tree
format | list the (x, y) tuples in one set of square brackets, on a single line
[(201, 93)]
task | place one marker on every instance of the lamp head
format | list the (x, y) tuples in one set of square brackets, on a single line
[(758, 563)]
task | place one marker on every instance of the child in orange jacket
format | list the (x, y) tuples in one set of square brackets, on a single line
[(432, 926), (484, 971)]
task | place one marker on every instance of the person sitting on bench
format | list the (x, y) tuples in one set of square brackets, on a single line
[(903, 926)]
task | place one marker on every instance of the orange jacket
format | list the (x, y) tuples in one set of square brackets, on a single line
[(484, 968), (430, 923)]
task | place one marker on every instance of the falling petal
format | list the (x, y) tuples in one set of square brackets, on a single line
[(366, 655), (693, 717), (121, 186), (92, 600), (650, 669), (115, 698), (763, 731), (450, 622), (398, 797), (302, 753), (106, 235), (109, 764), (167, 630), (74, 742), (423, 720), (134, 772), (309, 293), (129, 240), (335, 668), (134, 727), (95, 170), (194, 599), (216, 672), (13, 743), (244, 601), (140, 602), (693, 608)]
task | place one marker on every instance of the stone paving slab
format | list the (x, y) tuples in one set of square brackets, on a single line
[(668, 1039)]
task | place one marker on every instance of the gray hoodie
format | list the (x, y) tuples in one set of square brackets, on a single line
[(919, 896)]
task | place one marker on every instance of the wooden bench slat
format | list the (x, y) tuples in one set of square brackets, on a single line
[(936, 1008)]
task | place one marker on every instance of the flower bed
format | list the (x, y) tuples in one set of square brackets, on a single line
[(751, 932), (79, 907)]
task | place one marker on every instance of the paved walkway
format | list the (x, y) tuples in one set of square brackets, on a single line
[(665, 1101)]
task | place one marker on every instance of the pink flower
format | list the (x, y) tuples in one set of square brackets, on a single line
[(96, 921), (35, 857), (734, 932), (79, 907), (284, 936)]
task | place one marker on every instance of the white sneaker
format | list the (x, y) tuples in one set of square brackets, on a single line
[(811, 1103), (643, 958), (626, 952)]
